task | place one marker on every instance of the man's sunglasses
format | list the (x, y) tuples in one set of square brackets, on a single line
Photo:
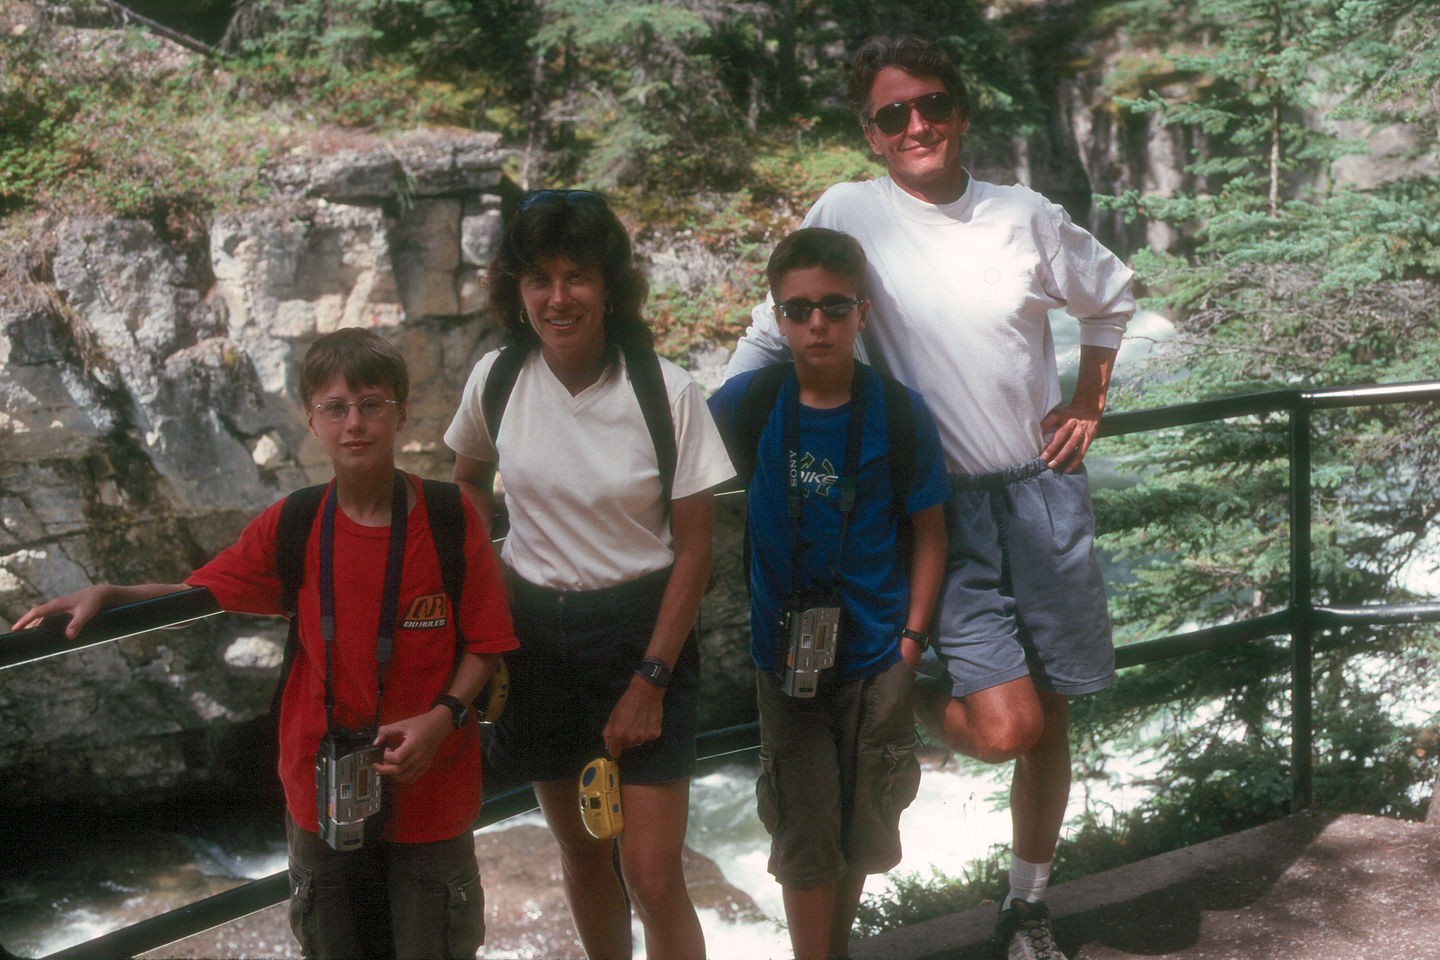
[(895, 117), (571, 198), (798, 309)]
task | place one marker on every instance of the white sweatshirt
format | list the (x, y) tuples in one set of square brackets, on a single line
[(960, 299)]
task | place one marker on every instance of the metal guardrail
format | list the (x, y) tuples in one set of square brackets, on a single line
[(1301, 619)]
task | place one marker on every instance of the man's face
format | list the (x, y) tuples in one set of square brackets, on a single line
[(924, 158)]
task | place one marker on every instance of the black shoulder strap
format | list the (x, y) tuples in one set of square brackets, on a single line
[(646, 379), (648, 382), (447, 529), (751, 416), (902, 442), (498, 386), (292, 536)]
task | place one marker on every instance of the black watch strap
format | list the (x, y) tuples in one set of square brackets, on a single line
[(922, 639), (459, 712), (655, 672)]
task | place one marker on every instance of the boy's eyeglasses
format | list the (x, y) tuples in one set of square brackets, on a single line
[(571, 198), (895, 117), (798, 309), (371, 408)]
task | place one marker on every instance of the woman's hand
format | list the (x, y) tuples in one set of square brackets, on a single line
[(636, 717), (410, 744)]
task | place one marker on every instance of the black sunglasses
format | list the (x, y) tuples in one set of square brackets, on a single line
[(571, 198), (798, 309), (895, 117)]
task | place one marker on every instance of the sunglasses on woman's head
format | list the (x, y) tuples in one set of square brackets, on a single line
[(895, 117), (571, 198)]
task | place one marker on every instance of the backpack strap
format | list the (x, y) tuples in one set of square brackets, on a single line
[(902, 442), (751, 416), (757, 404), (648, 382), (292, 536), (646, 379), (498, 387), (447, 530)]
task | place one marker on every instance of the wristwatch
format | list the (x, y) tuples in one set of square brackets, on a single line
[(459, 712), (655, 672), (922, 640)]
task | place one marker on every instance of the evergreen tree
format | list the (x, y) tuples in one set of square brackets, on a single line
[(1296, 277)]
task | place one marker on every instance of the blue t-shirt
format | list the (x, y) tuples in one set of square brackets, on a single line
[(873, 582)]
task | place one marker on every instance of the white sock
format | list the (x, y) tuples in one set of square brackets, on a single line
[(1027, 881)]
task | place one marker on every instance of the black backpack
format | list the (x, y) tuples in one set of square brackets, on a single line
[(292, 534), (758, 403), (646, 379)]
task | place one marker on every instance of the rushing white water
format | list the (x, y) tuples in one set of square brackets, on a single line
[(958, 815)]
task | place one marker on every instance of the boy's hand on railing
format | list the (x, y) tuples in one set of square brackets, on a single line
[(636, 718), (80, 606), (410, 744)]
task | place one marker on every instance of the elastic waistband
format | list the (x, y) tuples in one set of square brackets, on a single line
[(1000, 478), (647, 587)]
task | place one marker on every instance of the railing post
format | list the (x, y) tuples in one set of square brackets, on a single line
[(1301, 609)]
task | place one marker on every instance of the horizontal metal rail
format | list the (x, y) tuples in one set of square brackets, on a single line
[(1254, 404), (117, 623), (1299, 619)]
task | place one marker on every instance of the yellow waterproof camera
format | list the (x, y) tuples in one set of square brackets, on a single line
[(600, 798), (491, 702)]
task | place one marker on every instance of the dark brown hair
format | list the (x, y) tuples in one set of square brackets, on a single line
[(362, 357), (580, 226), (818, 247), (916, 56)]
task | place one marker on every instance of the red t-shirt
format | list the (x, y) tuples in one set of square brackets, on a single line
[(446, 799)]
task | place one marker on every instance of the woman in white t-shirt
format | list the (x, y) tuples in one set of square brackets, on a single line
[(607, 569)]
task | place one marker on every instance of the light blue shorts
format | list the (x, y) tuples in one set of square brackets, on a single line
[(1023, 591)]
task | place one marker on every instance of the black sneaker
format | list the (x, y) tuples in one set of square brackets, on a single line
[(1022, 932)]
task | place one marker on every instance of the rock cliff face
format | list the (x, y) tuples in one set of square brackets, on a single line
[(150, 409)]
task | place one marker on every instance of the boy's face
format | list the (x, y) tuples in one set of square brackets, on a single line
[(819, 342), (363, 436)]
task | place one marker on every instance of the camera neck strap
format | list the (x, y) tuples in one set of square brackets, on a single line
[(794, 494), (389, 599)]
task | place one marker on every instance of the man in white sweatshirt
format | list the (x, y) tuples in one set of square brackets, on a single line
[(962, 275)]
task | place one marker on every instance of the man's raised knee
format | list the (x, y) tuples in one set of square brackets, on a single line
[(1006, 737)]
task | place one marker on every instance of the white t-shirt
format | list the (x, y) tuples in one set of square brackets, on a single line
[(581, 480), (960, 299)]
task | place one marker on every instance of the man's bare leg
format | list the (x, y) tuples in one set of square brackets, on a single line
[(1040, 788)]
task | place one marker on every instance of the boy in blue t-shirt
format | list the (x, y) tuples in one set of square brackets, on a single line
[(816, 444)]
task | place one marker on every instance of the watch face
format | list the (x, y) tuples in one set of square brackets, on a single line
[(655, 672)]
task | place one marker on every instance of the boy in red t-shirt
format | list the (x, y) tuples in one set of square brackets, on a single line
[(412, 888)]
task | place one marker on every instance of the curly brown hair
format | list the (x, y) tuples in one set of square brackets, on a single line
[(580, 226)]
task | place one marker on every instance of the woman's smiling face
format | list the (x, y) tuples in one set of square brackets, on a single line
[(565, 304)]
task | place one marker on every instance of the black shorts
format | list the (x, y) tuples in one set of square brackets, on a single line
[(578, 652)]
